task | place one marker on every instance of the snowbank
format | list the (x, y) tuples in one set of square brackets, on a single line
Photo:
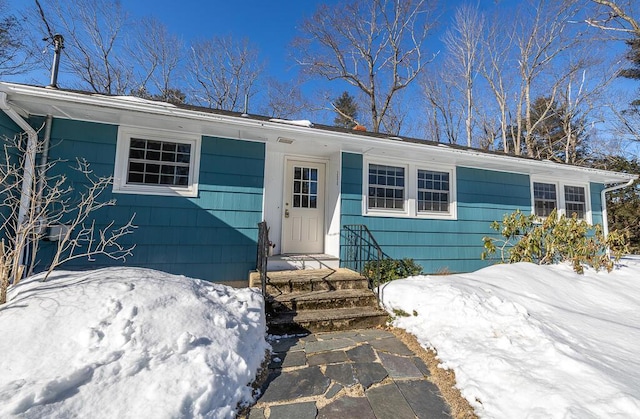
[(532, 341), (128, 343)]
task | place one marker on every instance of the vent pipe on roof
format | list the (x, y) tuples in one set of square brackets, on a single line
[(246, 105), (58, 46)]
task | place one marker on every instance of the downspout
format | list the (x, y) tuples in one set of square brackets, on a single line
[(27, 181), (42, 173), (603, 200)]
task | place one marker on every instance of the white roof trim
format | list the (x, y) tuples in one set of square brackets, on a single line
[(471, 158)]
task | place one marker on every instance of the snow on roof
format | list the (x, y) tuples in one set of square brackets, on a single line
[(300, 123), (140, 100)]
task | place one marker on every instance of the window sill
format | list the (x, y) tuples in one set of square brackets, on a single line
[(418, 216), (191, 192)]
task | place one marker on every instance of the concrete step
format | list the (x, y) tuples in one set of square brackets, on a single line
[(326, 320), (302, 262), (315, 300), (284, 282)]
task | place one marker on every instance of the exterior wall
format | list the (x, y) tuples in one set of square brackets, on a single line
[(453, 245), (596, 202), (211, 237)]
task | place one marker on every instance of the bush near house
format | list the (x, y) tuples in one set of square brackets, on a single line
[(527, 238), (391, 269)]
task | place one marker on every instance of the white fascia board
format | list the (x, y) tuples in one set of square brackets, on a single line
[(371, 145)]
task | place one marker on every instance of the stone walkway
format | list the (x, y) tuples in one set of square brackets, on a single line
[(352, 374)]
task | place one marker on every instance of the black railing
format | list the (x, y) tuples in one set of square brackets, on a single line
[(361, 253), (263, 254)]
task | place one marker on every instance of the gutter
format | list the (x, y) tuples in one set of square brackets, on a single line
[(27, 181), (603, 200)]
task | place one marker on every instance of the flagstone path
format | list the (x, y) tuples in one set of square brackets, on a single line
[(349, 374)]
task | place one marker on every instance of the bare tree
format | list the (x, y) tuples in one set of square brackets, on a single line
[(443, 112), (462, 41), (285, 99), (615, 16), (497, 44), (15, 56), (94, 52), (222, 71), (374, 45), (541, 38), (158, 55), (53, 202)]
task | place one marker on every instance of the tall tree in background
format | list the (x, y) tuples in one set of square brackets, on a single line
[(346, 111), (462, 42), (158, 55), (376, 46), (285, 100), (14, 54), (617, 17), (94, 53), (623, 205), (221, 71)]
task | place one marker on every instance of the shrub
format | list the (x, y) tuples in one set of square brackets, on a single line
[(526, 238), (391, 269)]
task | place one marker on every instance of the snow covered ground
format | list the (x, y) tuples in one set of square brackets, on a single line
[(528, 341), (128, 343)]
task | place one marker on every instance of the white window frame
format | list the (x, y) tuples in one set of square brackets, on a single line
[(560, 200), (411, 191), (120, 184), (390, 211)]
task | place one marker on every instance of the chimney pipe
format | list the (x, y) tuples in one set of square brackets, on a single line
[(246, 105), (58, 46)]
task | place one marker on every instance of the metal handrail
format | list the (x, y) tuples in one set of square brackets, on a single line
[(360, 252), (263, 254)]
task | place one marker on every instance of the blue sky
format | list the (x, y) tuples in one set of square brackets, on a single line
[(269, 25)]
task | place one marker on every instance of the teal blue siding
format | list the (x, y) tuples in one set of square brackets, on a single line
[(596, 202), (212, 236), (438, 245)]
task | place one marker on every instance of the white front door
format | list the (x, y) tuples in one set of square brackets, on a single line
[(303, 222)]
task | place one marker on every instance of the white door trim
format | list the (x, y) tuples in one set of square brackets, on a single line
[(285, 194)]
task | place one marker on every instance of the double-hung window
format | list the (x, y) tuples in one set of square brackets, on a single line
[(386, 187), (409, 190), (544, 198), (575, 201), (433, 191), (156, 162), (567, 199)]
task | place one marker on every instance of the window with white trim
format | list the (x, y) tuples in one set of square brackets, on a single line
[(386, 187), (544, 198), (409, 190), (156, 163), (433, 191), (575, 201), (567, 198)]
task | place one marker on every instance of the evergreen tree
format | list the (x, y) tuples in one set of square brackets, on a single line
[(623, 205), (633, 72), (346, 111), (557, 133)]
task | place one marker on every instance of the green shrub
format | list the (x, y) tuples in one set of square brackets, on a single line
[(391, 269), (526, 238)]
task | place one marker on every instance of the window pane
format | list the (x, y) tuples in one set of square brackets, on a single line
[(387, 184), (148, 159), (544, 198), (575, 201), (433, 191)]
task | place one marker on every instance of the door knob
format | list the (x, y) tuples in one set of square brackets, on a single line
[(286, 213)]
